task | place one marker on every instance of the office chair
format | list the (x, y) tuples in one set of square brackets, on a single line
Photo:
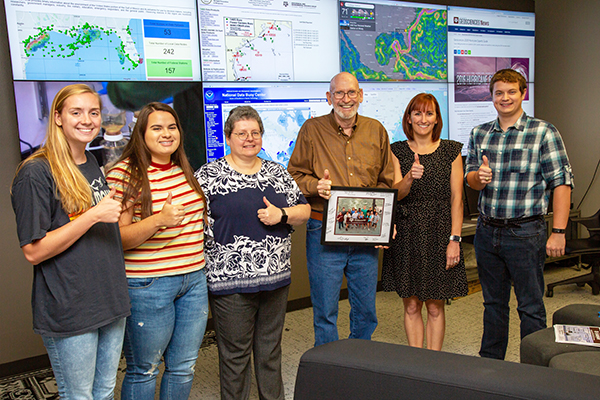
[(590, 248)]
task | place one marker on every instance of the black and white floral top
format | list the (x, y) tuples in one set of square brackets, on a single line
[(242, 254)]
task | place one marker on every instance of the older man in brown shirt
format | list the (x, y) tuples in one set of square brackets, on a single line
[(343, 149)]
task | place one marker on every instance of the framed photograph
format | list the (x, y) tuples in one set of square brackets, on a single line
[(359, 216)]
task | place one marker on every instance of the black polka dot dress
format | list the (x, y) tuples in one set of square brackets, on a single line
[(415, 263)]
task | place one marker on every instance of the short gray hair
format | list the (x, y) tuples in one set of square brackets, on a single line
[(242, 113)]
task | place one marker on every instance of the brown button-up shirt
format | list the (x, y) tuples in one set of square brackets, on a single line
[(363, 159)]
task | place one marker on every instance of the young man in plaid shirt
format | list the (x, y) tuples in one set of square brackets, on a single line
[(516, 162)]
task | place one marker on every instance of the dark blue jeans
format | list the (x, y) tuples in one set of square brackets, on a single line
[(504, 255)]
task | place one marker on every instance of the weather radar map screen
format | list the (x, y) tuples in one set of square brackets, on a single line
[(393, 41)]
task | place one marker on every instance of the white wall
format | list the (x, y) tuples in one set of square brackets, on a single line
[(567, 85)]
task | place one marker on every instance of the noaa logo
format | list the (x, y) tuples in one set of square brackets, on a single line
[(209, 95)]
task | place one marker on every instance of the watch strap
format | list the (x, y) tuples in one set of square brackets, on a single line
[(284, 217)]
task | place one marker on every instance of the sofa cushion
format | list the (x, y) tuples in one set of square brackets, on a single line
[(361, 369), (577, 314), (538, 348), (587, 362)]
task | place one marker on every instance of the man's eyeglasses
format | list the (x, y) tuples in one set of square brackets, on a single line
[(245, 135), (340, 95)]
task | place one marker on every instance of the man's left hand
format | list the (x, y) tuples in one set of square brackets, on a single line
[(555, 246)]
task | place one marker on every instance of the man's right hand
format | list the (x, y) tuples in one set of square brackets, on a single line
[(484, 173), (324, 186)]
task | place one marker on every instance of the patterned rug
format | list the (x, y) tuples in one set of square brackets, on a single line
[(34, 385)]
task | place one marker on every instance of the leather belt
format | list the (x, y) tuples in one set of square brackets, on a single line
[(508, 223), (316, 215)]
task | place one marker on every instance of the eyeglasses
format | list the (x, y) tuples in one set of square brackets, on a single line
[(245, 135), (340, 95)]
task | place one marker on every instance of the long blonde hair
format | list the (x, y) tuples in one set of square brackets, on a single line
[(73, 188)]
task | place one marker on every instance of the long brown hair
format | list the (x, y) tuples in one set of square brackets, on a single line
[(139, 159), (73, 188)]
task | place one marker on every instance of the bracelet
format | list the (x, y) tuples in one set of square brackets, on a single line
[(557, 230)]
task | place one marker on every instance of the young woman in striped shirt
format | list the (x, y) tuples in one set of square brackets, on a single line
[(163, 236)]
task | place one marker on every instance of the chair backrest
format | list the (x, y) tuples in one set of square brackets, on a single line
[(592, 224)]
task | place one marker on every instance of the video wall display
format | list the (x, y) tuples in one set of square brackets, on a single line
[(276, 55)]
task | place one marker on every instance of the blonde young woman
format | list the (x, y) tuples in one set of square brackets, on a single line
[(424, 264), (163, 237), (67, 227)]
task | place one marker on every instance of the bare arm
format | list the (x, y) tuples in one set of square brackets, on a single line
[(555, 246), (59, 240), (456, 211), (403, 184), (134, 234)]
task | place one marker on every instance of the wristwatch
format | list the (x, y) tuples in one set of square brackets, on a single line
[(558, 230), (455, 238), (284, 217)]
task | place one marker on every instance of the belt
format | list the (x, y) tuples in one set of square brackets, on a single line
[(316, 215), (508, 223)]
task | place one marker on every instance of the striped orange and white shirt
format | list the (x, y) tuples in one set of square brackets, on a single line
[(170, 251)]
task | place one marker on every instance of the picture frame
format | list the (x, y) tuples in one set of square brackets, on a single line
[(359, 216)]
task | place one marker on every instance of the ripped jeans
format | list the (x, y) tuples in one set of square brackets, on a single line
[(168, 319)]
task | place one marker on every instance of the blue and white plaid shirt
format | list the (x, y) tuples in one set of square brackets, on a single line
[(527, 162)]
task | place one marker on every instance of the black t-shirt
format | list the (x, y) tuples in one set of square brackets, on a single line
[(84, 287)]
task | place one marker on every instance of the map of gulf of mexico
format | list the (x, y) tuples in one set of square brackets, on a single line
[(67, 47), (406, 44)]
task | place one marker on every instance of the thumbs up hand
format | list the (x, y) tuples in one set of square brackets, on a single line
[(270, 215), (485, 172), (416, 171), (324, 186), (171, 214), (108, 209)]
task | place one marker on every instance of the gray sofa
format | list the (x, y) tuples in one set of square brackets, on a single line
[(360, 369)]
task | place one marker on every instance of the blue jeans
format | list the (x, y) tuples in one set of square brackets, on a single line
[(327, 266), (505, 255), (85, 366), (168, 319)]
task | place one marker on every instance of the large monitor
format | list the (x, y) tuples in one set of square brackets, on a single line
[(385, 40), (480, 42), (104, 41), (248, 40), (284, 108)]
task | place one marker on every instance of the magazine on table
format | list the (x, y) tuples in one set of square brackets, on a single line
[(577, 334)]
